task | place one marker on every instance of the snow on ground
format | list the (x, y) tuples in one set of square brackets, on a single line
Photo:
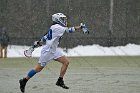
[(89, 50)]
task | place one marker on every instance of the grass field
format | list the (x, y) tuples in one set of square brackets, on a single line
[(84, 75)]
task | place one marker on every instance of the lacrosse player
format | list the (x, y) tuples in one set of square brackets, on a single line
[(50, 50)]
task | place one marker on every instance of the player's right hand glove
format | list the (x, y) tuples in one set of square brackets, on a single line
[(37, 44), (84, 28)]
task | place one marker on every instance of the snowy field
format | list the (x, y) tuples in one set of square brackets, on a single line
[(89, 50), (96, 69), (85, 75)]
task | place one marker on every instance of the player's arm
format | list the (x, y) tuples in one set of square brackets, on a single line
[(68, 29), (80, 27), (40, 42)]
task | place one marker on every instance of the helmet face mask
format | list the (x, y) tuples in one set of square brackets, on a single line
[(63, 20), (60, 19)]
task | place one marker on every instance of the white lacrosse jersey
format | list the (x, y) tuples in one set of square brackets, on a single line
[(53, 37)]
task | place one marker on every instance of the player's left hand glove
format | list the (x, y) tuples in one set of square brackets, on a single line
[(84, 28)]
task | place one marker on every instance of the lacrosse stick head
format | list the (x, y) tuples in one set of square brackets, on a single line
[(28, 53)]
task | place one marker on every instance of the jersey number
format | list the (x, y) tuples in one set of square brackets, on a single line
[(49, 35)]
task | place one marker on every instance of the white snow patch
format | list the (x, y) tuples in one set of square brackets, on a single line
[(88, 50)]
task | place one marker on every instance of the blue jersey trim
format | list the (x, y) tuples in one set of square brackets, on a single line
[(49, 35), (70, 30)]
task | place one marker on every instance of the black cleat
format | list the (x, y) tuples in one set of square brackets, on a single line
[(61, 84), (22, 84)]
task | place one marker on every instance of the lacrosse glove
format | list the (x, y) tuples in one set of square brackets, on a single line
[(84, 28)]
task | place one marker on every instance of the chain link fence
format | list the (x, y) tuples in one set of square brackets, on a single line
[(111, 22)]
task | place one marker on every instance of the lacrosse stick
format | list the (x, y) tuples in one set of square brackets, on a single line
[(28, 52), (40, 42)]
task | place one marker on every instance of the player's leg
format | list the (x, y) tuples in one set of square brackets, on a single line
[(65, 63), (43, 60), (30, 74)]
